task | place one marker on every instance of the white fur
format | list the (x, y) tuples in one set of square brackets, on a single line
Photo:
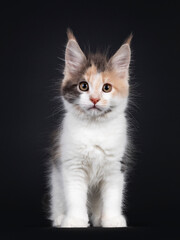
[(90, 158)]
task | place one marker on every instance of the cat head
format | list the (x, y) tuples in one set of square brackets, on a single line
[(94, 86)]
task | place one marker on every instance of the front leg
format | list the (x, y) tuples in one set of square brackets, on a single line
[(75, 189), (112, 195)]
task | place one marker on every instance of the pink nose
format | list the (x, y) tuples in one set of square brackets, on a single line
[(94, 100)]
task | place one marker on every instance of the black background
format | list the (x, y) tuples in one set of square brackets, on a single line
[(33, 36)]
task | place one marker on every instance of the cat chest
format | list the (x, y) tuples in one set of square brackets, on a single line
[(92, 145)]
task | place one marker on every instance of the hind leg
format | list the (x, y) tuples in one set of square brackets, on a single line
[(95, 208), (57, 198)]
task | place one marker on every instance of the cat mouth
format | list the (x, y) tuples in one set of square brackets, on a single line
[(94, 107)]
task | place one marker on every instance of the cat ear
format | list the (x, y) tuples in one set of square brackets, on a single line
[(74, 57), (120, 61)]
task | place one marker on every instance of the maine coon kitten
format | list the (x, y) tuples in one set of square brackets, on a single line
[(87, 176)]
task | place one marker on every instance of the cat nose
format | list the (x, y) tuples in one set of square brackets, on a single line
[(94, 100)]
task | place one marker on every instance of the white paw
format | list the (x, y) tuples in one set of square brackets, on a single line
[(74, 222), (57, 222), (117, 221)]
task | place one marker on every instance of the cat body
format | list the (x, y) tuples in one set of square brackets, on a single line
[(86, 179)]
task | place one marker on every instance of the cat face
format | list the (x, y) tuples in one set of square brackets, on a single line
[(93, 85)]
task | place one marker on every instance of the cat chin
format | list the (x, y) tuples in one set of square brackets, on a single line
[(94, 112)]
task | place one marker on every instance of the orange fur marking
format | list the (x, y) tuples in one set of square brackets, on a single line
[(103, 102), (119, 83), (90, 71)]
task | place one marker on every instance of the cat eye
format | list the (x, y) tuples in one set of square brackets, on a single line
[(107, 87), (83, 86)]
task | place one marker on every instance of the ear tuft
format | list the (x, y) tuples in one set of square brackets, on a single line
[(70, 34), (128, 40)]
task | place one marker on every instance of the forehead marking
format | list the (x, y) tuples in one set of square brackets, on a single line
[(91, 71), (96, 81), (94, 78)]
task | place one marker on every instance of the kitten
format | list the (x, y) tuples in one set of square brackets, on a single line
[(87, 176)]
